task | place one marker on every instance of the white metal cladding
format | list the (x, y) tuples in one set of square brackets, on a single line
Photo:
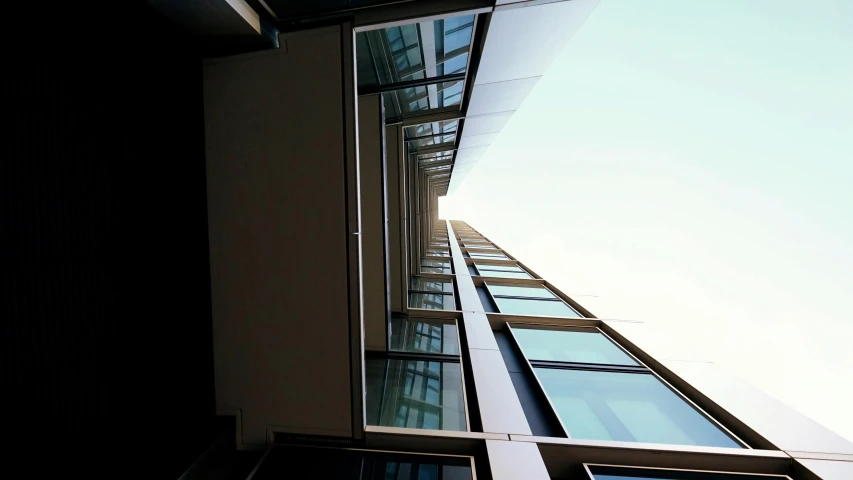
[(511, 65)]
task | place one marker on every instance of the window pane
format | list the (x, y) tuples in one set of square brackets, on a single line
[(514, 291), (486, 255), (499, 274), (627, 407), (432, 301), (423, 335), (570, 346), (431, 285), (425, 269), (505, 268), (535, 307), (396, 54), (622, 473), (414, 394), (432, 128)]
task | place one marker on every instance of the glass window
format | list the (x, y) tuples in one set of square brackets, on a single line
[(438, 253), (414, 394), (426, 158), (602, 472), (516, 291), (324, 462), (432, 301), (409, 100), (503, 268), (421, 335), (628, 407), (486, 255), (432, 128), (570, 346), (425, 284), (502, 274), (535, 307), (399, 54), (438, 266)]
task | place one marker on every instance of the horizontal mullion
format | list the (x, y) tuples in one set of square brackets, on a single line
[(430, 293), (388, 87), (528, 298), (597, 367), (430, 357)]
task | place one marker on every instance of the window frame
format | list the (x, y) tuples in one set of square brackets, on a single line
[(556, 298), (389, 355), (451, 294), (516, 265), (745, 475), (642, 369)]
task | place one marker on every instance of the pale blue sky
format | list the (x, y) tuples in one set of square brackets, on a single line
[(690, 164)]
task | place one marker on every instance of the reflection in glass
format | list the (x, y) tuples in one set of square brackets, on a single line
[(486, 255), (421, 335), (600, 472), (503, 274), (516, 291), (427, 158), (432, 301), (414, 394), (570, 346), (393, 466), (404, 101), (627, 407), (504, 268), (414, 51), (430, 265), (523, 306), (425, 284)]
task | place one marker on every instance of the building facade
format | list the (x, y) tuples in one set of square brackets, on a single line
[(344, 329)]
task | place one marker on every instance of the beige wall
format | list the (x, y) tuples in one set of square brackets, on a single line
[(279, 233)]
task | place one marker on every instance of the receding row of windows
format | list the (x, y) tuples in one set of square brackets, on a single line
[(437, 294), (596, 389)]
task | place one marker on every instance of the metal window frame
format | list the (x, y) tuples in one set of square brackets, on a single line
[(389, 354), (514, 297), (442, 321), (770, 476)]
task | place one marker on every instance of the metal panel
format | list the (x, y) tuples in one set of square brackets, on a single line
[(482, 124), (523, 42), (372, 203), (393, 155), (470, 140), (500, 409), (515, 460), (500, 96), (828, 469), (783, 426)]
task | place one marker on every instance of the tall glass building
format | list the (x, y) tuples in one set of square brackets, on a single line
[(315, 315)]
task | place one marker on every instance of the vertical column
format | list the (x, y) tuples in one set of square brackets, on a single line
[(514, 460), (500, 410)]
